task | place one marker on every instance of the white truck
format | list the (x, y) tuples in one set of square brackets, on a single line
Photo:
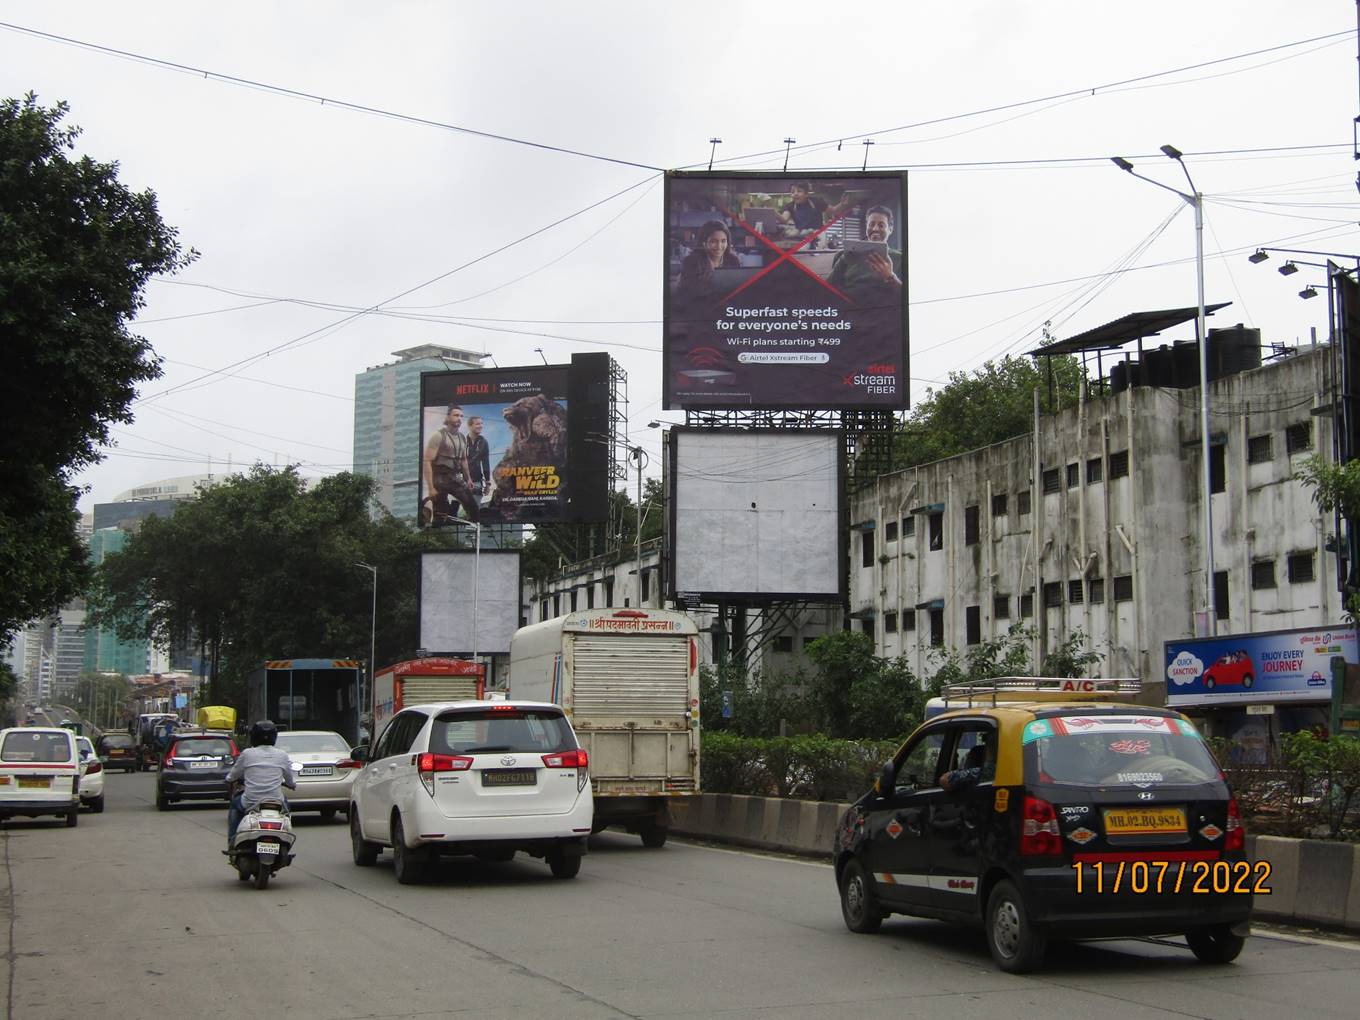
[(629, 681)]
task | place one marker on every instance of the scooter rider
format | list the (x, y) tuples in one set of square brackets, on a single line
[(261, 770)]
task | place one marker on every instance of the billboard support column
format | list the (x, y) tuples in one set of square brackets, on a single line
[(639, 455)]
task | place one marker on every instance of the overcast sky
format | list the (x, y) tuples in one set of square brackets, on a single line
[(1005, 115)]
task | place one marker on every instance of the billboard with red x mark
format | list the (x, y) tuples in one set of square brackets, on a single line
[(786, 290)]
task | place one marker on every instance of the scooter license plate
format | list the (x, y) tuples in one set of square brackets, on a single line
[(267, 849)]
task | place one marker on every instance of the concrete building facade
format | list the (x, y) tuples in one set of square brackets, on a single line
[(1099, 527)]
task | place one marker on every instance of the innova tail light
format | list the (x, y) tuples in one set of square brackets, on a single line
[(577, 759), (428, 764)]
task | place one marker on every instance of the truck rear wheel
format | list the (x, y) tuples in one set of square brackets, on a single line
[(654, 836)]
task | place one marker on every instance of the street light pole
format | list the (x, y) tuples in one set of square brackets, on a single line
[(372, 646), (1196, 201)]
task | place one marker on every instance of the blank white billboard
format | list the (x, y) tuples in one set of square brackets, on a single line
[(757, 514), (450, 584)]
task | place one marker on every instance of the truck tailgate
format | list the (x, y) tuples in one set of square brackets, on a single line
[(635, 760)]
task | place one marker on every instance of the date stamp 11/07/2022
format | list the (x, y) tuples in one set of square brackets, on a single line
[(1156, 878)]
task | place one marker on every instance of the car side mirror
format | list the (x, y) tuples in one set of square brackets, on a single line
[(884, 784), (359, 753)]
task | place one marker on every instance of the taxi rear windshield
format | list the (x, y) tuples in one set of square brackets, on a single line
[(1116, 750), (36, 746), (485, 731)]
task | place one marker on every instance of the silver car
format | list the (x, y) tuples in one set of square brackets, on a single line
[(327, 771)]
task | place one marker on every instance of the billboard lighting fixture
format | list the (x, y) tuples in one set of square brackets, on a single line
[(1308, 292), (1288, 269), (1257, 257)]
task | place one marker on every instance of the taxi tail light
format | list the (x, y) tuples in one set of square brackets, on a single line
[(93, 768), (1236, 837), (577, 759), (1039, 835), (428, 764)]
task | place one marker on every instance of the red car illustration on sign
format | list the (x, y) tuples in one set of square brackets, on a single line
[(1232, 670)]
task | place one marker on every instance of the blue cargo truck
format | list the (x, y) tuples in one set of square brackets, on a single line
[(307, 694)]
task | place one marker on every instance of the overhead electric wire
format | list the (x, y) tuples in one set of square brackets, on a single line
[(1089, 91), (280, 90), (312, 335)]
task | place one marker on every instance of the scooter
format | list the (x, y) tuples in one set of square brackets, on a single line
[(264, 841)]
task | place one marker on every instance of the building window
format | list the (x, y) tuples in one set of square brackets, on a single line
[(1094, 470), (1260, 449), (1074, 592), (590, 596), (1218, 468), (972, 616), (1301, 567), (970, 525), (1073, 475), (999, 505), (1123, 588), (1298, 437), (557, 604), (890, 623), (908, 527), (1027, 605), (908, 619), (936, 628), (1263, 574), (866, 548), (1001, 607), (890, 531), (866, 626), (1095, 591), (573, 600), (608, 591), (1052, 594), (646, 585), (1022, 502), (543, 609), (936, 531), (1051, 481), (783, 643), (1221, 594), (1119, 464)]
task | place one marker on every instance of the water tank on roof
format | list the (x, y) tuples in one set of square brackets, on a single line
[(1232, 350)]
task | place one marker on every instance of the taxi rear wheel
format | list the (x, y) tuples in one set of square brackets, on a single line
[(1015, 945), (859, 905), (1215, 945)]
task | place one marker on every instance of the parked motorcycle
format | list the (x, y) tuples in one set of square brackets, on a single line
[(264, 841)]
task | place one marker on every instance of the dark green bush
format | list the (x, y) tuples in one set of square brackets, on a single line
[(806, 767)]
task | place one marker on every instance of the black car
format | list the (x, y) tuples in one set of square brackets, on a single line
[(1053, 820), (195, 768), (117, 751)]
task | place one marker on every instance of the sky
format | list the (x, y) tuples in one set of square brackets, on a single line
[(331, 236)]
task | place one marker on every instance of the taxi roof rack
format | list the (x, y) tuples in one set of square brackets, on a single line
[(1040, 688)]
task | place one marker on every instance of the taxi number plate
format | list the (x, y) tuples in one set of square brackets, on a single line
[(509, 777), (203, 764), (35, 782), (266, 848), (1144, 821), (318, 770)]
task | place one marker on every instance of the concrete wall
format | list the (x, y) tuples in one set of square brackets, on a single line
[(1311, 881)]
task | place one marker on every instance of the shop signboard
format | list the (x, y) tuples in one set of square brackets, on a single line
[(1239, 669)]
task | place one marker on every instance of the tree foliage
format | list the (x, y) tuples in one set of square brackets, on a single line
[(553, 546), (1336, 488), (77, 247), (994, 403), (259, 567)]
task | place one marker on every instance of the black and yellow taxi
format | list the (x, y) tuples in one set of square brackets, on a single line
[(1050, 808)]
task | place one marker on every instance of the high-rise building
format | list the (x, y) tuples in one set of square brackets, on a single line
[(68, 652), (105, 651), (387, 422)]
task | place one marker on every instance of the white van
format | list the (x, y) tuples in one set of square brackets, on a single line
[(39, 773)]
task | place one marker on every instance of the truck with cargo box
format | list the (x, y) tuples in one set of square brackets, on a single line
[(424, 681), (629, 681), (306, 694)]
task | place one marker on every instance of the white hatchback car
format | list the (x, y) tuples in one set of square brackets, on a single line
[(39, 773), (91, 776), (473, 777)]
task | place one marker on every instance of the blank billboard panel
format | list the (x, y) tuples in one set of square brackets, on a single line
[(757, 514), (450, 584)]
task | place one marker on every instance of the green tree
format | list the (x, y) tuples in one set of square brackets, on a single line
[(994, 403), (77, 247), (554, 546), (259, 567), (1336, 488)]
